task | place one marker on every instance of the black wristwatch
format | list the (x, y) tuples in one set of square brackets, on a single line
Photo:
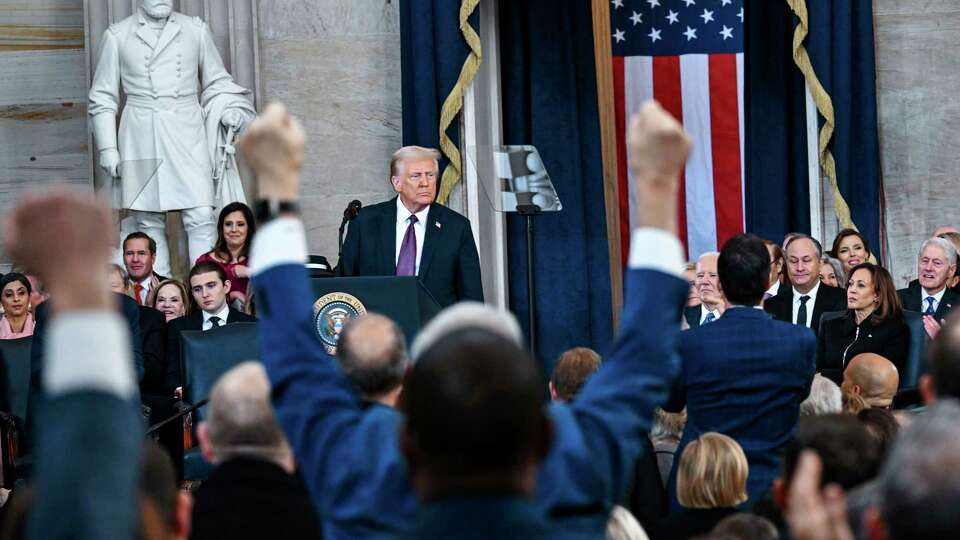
[(266, 209)]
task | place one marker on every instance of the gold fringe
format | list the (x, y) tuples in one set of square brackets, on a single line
[(825, 106), (452, 106)]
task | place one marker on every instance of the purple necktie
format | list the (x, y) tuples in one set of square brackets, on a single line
[(407, 262)]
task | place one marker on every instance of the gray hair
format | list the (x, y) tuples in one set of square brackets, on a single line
[(921, 476), (947, 246), (837, 269), (667, 426), (467, 315), (824, 398), (240, 419)]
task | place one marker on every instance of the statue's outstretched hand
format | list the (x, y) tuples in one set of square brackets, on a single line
[(110, 161), (232, 118), (273, 147)]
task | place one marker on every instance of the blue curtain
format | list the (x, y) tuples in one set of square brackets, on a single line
[(549, 95), (432, 52), (777, 184)]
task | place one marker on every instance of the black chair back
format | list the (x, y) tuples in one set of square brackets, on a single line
[(208, 355), (16, 362), (916, 364)]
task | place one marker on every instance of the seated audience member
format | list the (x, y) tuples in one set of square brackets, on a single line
[(571, 372), (943, 377), (882, 426), (209, 286), (824, 398), (954, 238), (851, 249), (139, 255), (873, 323), (931, 293), (744, 526), (920, 482), (850, 456), (711, 482), (164, 509), (235, 230), (831, 272), (361, 483), (473, 462), (89, 431), (623, 526), (776, 270), (118, 280), (690, 274), (745, 375), (252, 492), (17, 320), (712, 301), (665, 435), (171, 299), (873, 379), (372, 352), (809, 298), (38, 294)]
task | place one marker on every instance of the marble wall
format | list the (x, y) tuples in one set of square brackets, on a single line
[(918, 74), (336, 64)]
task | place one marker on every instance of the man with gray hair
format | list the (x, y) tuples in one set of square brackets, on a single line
[(372, 352), (467, 315), (410, 236), (252, 492), (824, 398), (930, 295)]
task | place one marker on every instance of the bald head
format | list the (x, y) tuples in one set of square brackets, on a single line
[(873, 378), (373, 354)]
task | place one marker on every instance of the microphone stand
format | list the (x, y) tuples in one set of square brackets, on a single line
[(156, 427)]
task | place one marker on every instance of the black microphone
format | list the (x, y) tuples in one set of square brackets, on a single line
[(352, 210)]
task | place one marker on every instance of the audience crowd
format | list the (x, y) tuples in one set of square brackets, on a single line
[(770, 390)]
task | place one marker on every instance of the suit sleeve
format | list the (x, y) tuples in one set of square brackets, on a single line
[(154, 359), (171, 374), (131, 312), (469, 282), (598, 435), (347, 266)]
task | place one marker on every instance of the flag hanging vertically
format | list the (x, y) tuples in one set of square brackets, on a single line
[(688, 55)]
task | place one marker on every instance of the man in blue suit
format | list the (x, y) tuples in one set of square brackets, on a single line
[(409, 235), (746, 374), (349, 454)]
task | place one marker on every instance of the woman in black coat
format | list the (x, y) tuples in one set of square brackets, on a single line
[(873, 323)]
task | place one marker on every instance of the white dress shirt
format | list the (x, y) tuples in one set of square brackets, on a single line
[(936, 299), (774, 289), (796, 304), (704, 312), (419, 229), (223, 313)]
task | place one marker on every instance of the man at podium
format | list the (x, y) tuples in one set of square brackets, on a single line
[(409, 235)]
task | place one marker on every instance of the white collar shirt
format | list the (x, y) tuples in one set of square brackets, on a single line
[(936, 299), (223, 314), (419, 229), (774, 289), (704, 312), (145, 289), (796, 304)]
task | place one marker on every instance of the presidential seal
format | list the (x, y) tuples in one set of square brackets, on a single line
[(330, 312)]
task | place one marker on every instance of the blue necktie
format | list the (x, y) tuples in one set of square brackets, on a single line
[(407, 261), (709, 318), (930, 310)]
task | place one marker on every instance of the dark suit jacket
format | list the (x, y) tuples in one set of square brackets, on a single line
[(744, 376), (251, 498), (840, 341), (692, 316), (194, 321), (153, 334), (911, 298), (449, 264), (350, 456), (690, 522), (828, 299)]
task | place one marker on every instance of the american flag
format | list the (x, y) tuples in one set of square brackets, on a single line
[(688, 55)]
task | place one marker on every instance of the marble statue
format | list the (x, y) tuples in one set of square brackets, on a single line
[(182, 111)]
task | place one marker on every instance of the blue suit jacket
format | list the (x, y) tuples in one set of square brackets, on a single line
[(449, 264), (350, 456), (744, 376)]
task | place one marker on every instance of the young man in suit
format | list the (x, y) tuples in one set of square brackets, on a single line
[(349, 454), (210, 289), (744, 375), (810, 299), (139, 256), (411, 236), (930, 294)]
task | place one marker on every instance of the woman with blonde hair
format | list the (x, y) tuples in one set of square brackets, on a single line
[(711, 482)]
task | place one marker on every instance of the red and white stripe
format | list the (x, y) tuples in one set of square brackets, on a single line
[(705, 93)]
